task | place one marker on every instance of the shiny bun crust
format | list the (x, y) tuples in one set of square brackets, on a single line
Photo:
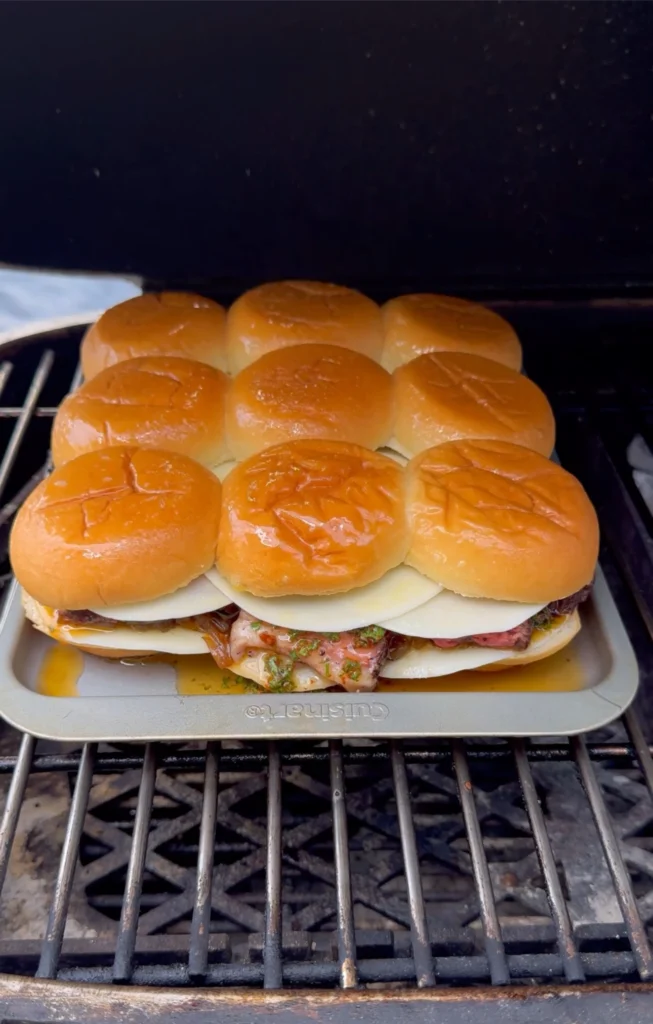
[(115, 527), (308, 391), (492, 519), (416, 324), (450, 396), (285, 313), (311, 517), (156, 324), (152, 402)]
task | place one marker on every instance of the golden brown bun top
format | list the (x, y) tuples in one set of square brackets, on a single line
[(114, 527), (284, 313), (309, 391), (416, 324), (151, 402), (492, 519), (311, 517), (451, 396), (156, 324)]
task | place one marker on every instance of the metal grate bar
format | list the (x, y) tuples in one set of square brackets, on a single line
[(22, 423), (5, 370), (346, 932), (421, 942), (198, 954), (641, 748), (272, 973), (564, 930), (57, 917), (454, 969), (494, 947), (620, 876), (126, 940), (12, 412), (254, 759), (14, 802)]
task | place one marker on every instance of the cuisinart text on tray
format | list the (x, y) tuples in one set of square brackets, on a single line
[(323, 712)]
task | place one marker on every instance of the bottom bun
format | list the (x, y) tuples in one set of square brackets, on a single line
[(545, 643)]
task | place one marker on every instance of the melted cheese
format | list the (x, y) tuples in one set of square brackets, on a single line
[(429, 662), (302, 677), (223, 470), (121, 638), (425, 662), (198, 597), (394, 594), (448, 616)]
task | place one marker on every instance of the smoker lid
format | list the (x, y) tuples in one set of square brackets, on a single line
[(437, 144)]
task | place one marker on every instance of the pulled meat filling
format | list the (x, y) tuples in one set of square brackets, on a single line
[(351, 659)]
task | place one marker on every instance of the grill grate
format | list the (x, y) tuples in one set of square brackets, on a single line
[(342, 864)]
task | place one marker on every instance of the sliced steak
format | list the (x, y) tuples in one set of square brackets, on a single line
[(351, 659)]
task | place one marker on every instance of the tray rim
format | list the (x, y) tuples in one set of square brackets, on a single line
[(321, 716)]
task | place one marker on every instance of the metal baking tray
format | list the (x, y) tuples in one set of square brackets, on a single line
[(583, 687)]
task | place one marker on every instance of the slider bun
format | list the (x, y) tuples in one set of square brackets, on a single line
[(450, 396), (156, 324), (311, 517), (285, 313), (153, 402), (415, 324), (309, 391), (114, 527), (495, 520), (544, 644)]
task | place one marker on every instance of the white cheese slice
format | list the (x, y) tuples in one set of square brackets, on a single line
[(198, 597), (395, 456), (400, 448), (169, 641), (448, 616), (429, 662), (223, 470), (395, 593)]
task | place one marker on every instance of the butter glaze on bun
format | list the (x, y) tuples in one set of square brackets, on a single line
[(416, 324), (492, 519), (284, 313), (311, 517), (451, 396), (152, 402), (114, 527), (308, 391), (156, 324)]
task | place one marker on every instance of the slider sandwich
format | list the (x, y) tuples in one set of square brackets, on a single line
[(453, 396), (345, 566), (305, 391), (417, 324), (335, 565), (320, 391), (148, 402), (156, 324), (112, 551), (284, 313)]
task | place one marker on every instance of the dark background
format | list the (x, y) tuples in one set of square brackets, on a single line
[(481, 146)]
